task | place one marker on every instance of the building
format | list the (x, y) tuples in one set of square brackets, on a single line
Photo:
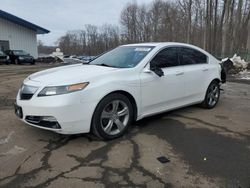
[(19, 34)]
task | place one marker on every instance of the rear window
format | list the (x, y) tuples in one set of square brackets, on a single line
[(190, 56), (19, 52)]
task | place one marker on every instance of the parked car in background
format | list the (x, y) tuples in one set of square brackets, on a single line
[(87, 59), (123, 85), (48, 59), (4, 59), (20, 57), (72, 59)]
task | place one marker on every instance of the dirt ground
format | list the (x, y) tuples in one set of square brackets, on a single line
[(206, 148)]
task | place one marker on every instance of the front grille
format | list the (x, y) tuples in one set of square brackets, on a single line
[(26, 92)]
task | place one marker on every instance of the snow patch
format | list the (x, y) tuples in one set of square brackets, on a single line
[(238, 62), (14, 151), (244, 75), (6, 140)]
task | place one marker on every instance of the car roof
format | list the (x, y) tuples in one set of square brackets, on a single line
[(161, 44), (166, 44), (143, 44)]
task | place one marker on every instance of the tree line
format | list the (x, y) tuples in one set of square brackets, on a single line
[(221, 27)]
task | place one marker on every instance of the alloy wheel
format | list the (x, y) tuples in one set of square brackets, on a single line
[(114, 117), (213, 95)]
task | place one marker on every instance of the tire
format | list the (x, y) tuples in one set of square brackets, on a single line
[(223, 75), (212, 95), (16, 62), (112, 117)]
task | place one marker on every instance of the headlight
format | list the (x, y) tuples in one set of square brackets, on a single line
[(7, 58), (59, 90), (21, 58)]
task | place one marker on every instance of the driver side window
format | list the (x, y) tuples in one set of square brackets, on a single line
[(166, 58)]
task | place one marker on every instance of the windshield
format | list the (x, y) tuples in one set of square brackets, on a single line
[(123, 56), (20, 52)]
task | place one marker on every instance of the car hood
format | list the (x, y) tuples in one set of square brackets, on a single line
[(69, 74)]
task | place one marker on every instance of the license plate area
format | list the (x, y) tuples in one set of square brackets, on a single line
[(18, 111)]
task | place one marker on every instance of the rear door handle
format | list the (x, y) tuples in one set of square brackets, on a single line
[(179, 73)]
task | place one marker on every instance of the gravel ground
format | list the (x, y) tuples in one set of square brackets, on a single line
[(206, 148)]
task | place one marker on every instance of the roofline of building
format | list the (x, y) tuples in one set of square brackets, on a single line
[(22, 22)]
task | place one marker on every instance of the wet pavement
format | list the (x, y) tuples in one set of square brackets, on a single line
[(206, 148)]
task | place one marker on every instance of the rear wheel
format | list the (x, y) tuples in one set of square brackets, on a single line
[(112, 116), (212, 95)]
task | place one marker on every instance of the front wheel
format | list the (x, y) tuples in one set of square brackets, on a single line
[(212, 95), (17, 62), (112, 116)]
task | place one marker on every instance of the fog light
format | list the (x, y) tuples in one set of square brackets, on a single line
[(43, 121), (55, 126), (49, 118)]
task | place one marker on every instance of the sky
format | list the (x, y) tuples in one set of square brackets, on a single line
[(60, 16)]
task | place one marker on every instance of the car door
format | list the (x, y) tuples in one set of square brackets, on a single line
[(165, 92), (195, 68)]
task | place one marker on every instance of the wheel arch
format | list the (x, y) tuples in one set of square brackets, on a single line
[(129, 96), (131, 99), (216, 80), (208, 84)]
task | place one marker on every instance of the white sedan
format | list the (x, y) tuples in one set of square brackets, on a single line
[(123, 85)]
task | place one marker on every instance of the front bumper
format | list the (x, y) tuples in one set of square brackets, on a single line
[(72, 111), (26, 60), (4, 61)]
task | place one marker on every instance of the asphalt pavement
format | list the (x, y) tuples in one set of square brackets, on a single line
[(203, 148)]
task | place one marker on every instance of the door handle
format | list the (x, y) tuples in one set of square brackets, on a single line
[(205, 69), (179, 73)]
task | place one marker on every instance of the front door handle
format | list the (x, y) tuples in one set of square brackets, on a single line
[(205, 69), (179, 73)]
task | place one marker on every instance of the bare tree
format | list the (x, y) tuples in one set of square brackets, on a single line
[(215, 27), (219, 26)]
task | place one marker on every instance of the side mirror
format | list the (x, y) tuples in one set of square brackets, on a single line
[(157, 70)]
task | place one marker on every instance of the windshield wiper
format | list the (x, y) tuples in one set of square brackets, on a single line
[(105, 65)]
